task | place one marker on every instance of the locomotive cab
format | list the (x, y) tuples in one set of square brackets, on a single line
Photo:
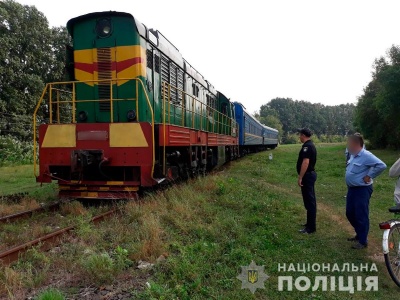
[(99, 142), (107, 52)]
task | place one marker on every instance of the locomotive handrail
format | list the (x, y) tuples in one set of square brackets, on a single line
[(221, 117), (34, 129), (50, 87), (152, 121)]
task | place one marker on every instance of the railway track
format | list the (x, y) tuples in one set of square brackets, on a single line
[(29, 213), (48, 241)]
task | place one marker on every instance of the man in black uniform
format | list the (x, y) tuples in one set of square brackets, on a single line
[(307, 177)]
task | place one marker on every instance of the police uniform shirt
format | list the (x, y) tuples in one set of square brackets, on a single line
[(309, 151)]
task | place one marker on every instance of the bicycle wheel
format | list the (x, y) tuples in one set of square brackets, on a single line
[(392, 259)]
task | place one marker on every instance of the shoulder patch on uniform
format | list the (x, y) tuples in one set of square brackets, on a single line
[(305, 149)]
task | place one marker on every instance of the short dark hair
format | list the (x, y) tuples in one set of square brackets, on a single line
[(357, 138)]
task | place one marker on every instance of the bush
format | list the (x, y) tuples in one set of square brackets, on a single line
[(51, 294), (332, 138), (315, 139), (291, 138), (100, 267), (13, 151), (121, 259)]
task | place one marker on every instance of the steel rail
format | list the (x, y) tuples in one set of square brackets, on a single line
[(28, 213), (47, 241)]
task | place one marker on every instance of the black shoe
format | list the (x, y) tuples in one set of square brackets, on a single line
[(359, 246), (306, 231), (353, 239)]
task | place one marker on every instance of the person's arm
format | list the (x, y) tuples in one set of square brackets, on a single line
[(395, 169), (303, 170), (376, 167)]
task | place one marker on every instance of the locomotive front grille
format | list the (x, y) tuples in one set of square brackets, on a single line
[(104, 63)]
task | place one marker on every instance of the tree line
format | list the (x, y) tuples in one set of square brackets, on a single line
[(329, 123), (31, 54), (376, 114)]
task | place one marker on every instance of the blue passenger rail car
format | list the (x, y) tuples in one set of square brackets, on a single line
[(253, 136), (270, 137)]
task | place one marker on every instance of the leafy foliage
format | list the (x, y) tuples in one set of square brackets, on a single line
[(15, 151), (31, 54), (377, 109), (288, 114)]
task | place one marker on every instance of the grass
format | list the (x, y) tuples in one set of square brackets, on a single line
[(27, 203), (252, 212), (207, 229), (71, 213), (20, 179), (51, 294)]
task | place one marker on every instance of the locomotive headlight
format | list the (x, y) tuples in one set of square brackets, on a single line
[(106, 30), (82, 116), (103, 28), (131, 115)]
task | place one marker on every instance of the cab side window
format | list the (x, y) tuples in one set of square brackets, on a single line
[(195, 90), (224, 108)]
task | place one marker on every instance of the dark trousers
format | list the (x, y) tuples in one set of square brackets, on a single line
[(357, 210), (310, 202)]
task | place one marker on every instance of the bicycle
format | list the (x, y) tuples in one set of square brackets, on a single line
[(391, 245)]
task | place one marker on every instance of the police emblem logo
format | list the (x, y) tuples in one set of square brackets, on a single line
[(305, 149), (252, 277)]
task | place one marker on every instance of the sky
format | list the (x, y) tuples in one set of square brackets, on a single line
[(252, 51)]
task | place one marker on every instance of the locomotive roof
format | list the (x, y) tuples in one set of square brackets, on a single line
[(73, 21), (163, 44)]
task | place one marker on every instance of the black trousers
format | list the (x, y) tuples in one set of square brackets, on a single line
[(310, 202)]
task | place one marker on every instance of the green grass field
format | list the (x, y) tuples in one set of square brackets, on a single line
[(249, 210), (252, 211), (20, 179)]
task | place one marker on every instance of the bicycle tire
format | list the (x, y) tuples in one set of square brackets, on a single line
[(392, 259)]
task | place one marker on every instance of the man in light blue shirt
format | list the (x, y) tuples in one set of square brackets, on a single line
[(361, 170), (348, 155)]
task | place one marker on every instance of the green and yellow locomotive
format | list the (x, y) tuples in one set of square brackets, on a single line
[(134, 114)]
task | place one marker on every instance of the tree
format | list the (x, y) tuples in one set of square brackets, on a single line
[(378, 107), (272, 121), (31, 54)]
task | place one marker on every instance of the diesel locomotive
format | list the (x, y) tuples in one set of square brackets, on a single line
[(134, 114)]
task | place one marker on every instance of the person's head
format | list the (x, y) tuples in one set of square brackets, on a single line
[(355, 143), (304, 134)]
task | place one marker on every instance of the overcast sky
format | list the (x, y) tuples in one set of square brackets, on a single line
[(254, 50)]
